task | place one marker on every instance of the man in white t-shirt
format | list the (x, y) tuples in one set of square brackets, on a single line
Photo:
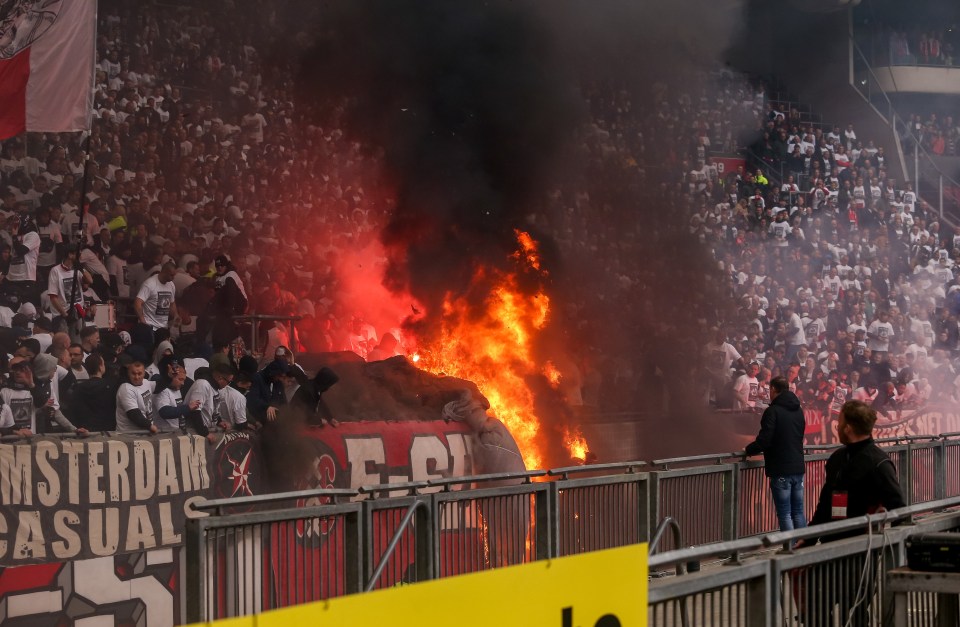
[(60, 286), (233, 407), (922, 329), (170, 410), (794, 330), (746, 388), (833, 283), (50, 239), (780, 229), (880, 332), (208, 418), (135, 401), (867, 394), (22, 275), (155, 305), (18, 398)]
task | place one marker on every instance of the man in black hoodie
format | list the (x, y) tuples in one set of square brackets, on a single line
[(781, 442)]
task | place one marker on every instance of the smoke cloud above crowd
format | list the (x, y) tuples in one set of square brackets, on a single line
[(483, 118)]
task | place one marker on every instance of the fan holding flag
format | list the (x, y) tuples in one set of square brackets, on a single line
[(46, 65)]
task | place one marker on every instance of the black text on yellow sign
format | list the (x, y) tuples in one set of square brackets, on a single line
[(598, 589)]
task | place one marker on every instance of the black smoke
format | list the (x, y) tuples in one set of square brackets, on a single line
[(480, 111), (470, 109)]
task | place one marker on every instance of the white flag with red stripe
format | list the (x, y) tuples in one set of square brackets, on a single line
[(46, 65)]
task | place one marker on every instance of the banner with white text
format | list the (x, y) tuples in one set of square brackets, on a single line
[(84, 498)]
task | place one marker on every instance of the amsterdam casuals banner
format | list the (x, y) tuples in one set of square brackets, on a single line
[(76, 499)]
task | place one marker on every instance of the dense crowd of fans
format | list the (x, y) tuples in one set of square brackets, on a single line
[(202, 197), (845, 279), (938, 134), (209, 195)]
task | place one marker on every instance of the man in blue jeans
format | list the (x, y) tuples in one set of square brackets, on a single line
[(781, 442)]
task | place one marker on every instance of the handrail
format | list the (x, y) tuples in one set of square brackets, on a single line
[(569, 470), (668, 521), (526, 475), (707, 551), (261, 499), (78, 436), (769, 540), (715, 457), (394, 541), (679, 568), (390, 487), (821, 447)]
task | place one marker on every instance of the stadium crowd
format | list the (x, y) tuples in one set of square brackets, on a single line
[(846, 280), (938, 134), (204, 192), (201, 198)]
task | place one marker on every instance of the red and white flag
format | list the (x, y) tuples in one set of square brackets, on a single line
[(46, 65)]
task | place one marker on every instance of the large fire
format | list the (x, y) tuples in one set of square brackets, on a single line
[(493, 348)]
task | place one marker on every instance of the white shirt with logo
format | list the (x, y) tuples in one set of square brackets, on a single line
[(60, 284), (24, 267), (167, 398), (157, 300), (134, 397), (210, 402)]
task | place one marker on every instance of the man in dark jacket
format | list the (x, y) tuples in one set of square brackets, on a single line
[(267, 395), (860, 478), (781, 442)]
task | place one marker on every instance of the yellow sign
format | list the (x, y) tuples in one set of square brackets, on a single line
[(598, 589)]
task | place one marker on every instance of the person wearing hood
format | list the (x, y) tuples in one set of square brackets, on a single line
[(93, 403), (229, 300), (163, 349), (267, 393), (781, 442), (207, 412), (50, 418)]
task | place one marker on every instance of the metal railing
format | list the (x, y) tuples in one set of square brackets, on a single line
[(241, 563), (816, 586)]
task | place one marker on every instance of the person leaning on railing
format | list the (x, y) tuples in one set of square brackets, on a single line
[(781, 442)]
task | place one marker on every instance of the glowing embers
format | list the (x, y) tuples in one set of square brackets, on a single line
[(574, 441), (489, 340)]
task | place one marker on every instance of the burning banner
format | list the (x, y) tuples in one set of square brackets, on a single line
[(488, 335)]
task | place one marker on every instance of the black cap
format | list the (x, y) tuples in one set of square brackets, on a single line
[(221, 260)]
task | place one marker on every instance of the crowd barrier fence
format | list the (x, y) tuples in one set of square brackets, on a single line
[(816, 586), (336, 542)]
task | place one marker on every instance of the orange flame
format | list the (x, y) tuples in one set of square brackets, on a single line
[(575, 443), (493, 348), (528, 251), (552, 374)]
